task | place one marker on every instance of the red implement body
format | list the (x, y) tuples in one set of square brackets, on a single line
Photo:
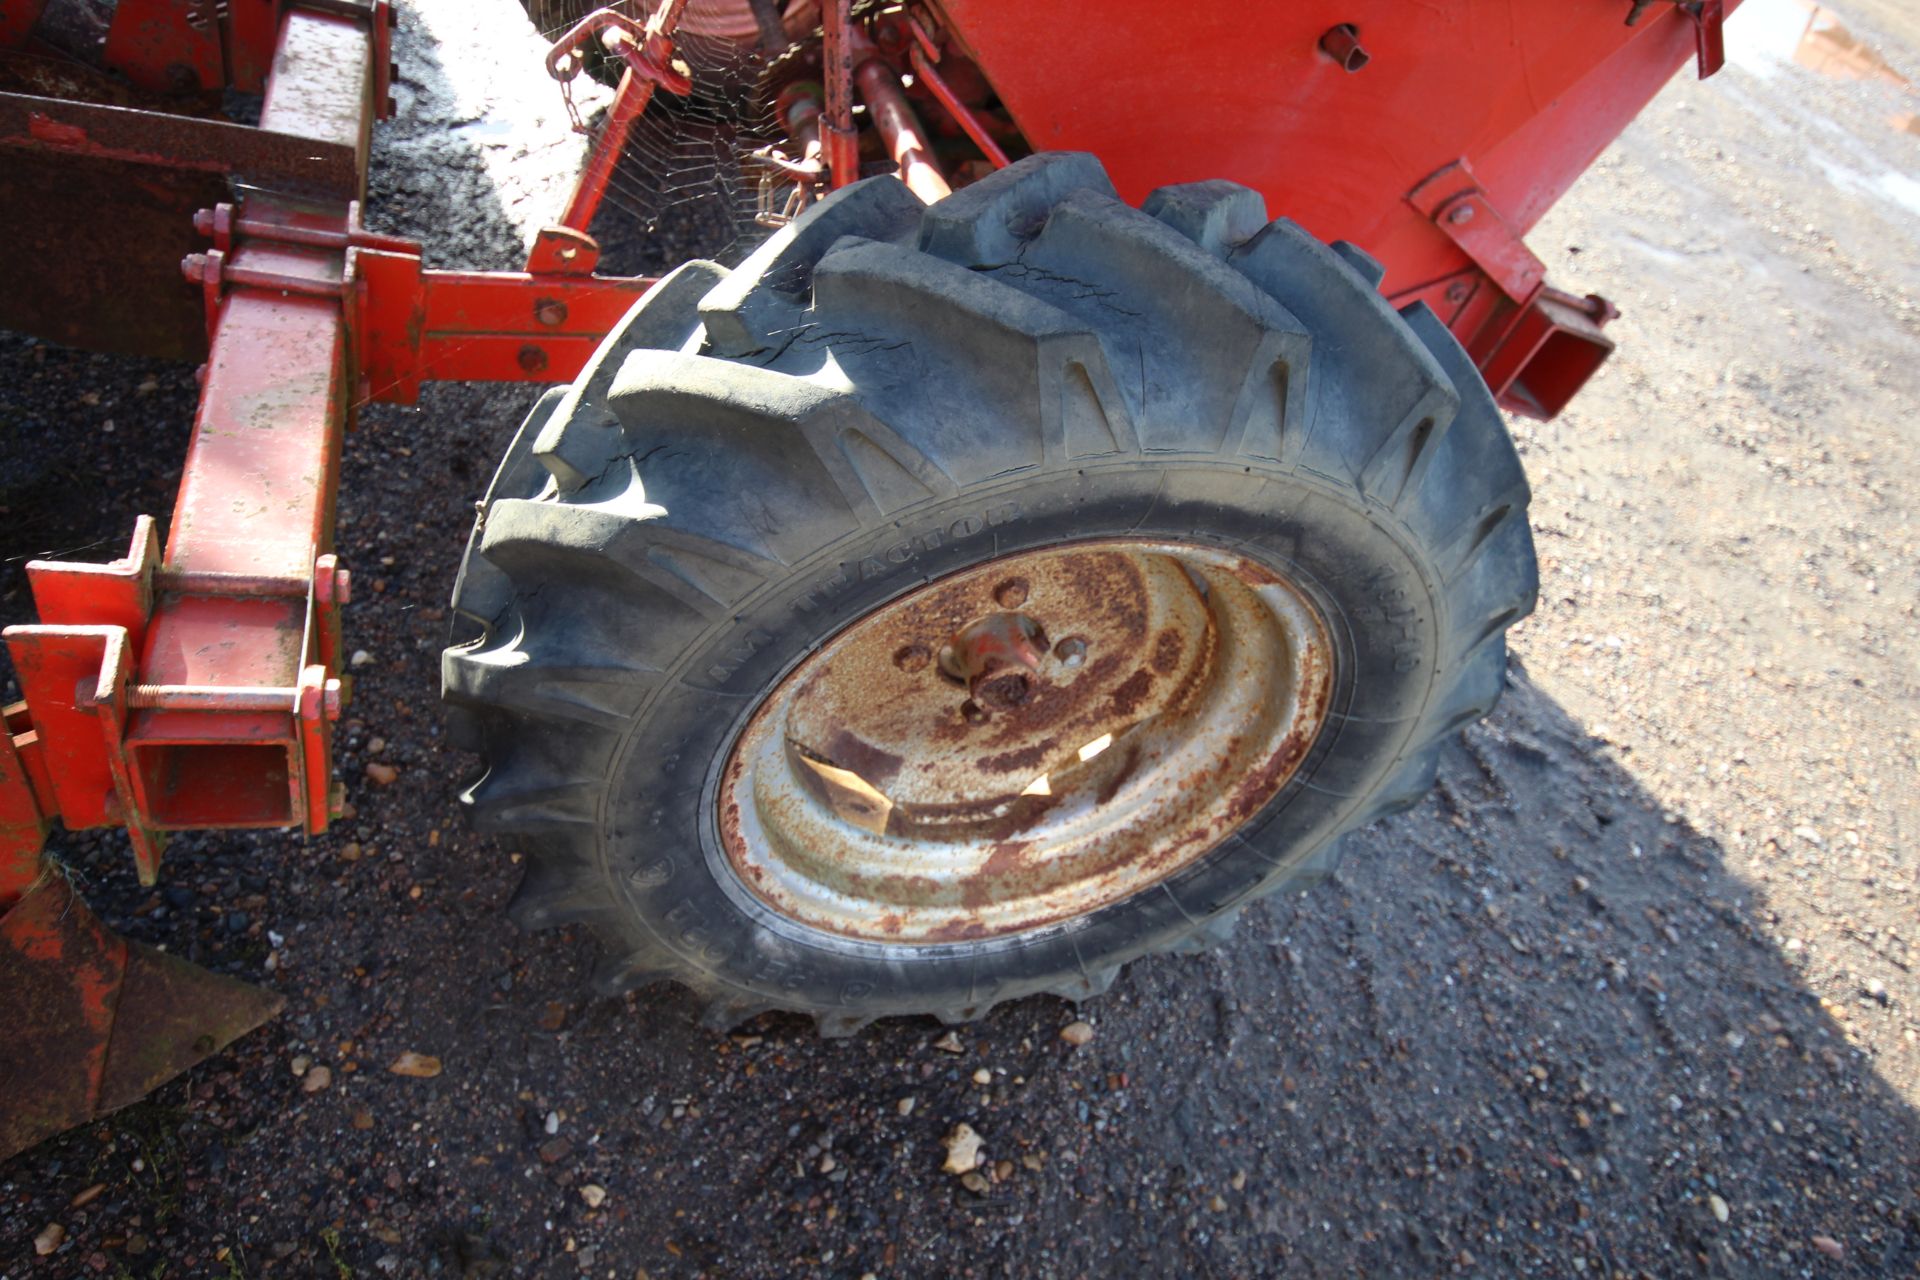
[(193, 683)]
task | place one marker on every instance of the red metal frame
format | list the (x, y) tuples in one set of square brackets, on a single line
[(1526, 92), (213, 668), (195, 685)]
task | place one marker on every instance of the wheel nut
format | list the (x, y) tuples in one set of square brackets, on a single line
[(1005, 690)]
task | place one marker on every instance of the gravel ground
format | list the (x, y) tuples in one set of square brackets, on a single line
[(1631, 994)]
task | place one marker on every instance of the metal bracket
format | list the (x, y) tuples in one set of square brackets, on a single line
[(1454, 200), (1533, 344), (1709, 34)]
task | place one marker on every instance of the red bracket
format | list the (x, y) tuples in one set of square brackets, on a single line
[(92, 747), (1534, 345), (1709, 35), (1709, 29), (1455, 202)]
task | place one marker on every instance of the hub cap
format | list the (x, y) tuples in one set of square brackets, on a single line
[(1025, 742)]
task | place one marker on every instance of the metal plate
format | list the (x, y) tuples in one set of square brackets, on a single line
[(1025, 742)]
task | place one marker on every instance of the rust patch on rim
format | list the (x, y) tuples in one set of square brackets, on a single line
[(939, 771)]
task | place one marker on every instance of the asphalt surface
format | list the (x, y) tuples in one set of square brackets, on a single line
[(1630, 994)]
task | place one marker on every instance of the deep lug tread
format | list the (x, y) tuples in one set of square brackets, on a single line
[(986, 224), (1360, 262), (739, 421), (1089, 985), (581, 436), (552, 894), (760, 305), (1217, 215), (1360, 408), (839, 1026), (1193, 335), (1026, 346), (481, 591), (615, 974)]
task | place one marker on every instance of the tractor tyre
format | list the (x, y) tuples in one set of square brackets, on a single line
[(954, 603)]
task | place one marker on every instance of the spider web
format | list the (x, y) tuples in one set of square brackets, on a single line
[(685, 186)]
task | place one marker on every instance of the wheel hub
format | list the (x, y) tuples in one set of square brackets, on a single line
[(1025, 742)]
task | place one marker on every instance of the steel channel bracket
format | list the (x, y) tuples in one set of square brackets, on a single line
[(1534, 344)]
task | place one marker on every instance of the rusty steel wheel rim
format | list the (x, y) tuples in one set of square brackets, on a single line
[(1025, 743)]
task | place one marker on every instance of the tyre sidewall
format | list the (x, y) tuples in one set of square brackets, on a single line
[(660, 850)]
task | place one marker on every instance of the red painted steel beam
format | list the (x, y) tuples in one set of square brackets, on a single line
[(839, 143), (647, 52), (195, 688), (924, 73), (417, 326), (271, 156)]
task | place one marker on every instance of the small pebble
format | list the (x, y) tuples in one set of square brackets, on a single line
[(594, 1194), (421, 1066), (950, 1043), (1831, 1247), (963, 1149), (51, 1237), (983, 1076), (905, 1105), (1719, 1208), (1077, 1033), (315, 1080), (383, 775), (360, 658)]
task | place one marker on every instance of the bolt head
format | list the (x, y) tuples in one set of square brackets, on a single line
[(1461, 213)]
